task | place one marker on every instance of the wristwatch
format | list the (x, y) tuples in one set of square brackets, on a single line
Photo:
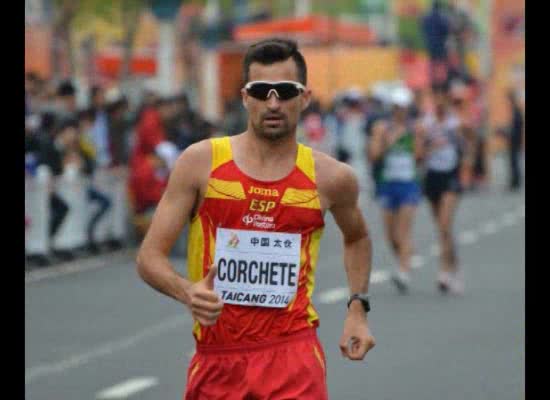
[(361, 297)]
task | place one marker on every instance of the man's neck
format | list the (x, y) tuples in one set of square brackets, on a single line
[(268, 151), (264, 159)]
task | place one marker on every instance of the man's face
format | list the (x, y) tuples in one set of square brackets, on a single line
[(274, 119), (440, 102), (99, 99)]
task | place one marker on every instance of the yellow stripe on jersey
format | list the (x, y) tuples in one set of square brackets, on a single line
[(304, 198), (195, 250), (221, 151), (305, 162), (196, 368), (318, 355), (195, 258), (313, 248), (227, 190)]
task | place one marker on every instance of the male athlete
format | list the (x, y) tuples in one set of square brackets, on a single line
[(256, 203), (393, 148)]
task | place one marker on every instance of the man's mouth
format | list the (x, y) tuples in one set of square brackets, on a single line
[(274, 119)]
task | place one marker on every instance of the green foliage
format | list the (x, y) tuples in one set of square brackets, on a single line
[(107, 10), (410, 33)]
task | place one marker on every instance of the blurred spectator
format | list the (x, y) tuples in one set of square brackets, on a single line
[(352, 142), (516, 133), (59, 153), (180, 123), (32, 89), (118, 125), (333, 124), (152, 158), (148, 179), (462, 108), (66, 106), (375, 110), (436, 29), (235, 119), (100, 128), (480, 117), (461, 33), (312, 124), (94, 194)]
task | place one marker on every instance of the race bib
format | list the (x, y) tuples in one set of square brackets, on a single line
[(257, 268), (444, 159), (399, 167)]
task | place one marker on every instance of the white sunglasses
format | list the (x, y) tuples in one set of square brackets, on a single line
[(284, 90)]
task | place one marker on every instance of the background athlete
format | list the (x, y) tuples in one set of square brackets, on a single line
[(392, 148), (442, 146), (225, 185)]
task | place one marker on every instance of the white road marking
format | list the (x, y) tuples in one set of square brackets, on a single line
[(332, 296), (489, 228), (79, 265), (127, 388), (417, 262), (508, 219), (467, 237), (106, 349)]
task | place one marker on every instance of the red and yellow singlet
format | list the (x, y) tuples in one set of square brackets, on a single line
[(234, 200)]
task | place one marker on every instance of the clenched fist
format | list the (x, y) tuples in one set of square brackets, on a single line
[(356, 339)]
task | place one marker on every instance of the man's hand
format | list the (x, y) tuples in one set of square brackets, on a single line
[(356, 339), (205, 304)]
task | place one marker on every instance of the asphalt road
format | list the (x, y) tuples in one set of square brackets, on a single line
[(94, 330)]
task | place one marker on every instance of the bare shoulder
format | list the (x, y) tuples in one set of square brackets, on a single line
[(193, 164), (336, 181)]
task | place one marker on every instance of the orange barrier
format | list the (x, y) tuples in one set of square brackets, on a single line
[(317, 28)]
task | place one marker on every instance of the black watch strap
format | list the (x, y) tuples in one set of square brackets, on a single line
[(363, 298)]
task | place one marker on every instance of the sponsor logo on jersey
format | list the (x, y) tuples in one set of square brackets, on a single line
[(259, 221), (263, 191)]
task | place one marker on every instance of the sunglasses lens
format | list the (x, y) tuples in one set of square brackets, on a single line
[(259, 90), (285, 91)]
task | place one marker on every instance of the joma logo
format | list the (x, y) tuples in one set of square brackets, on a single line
[(263, 191)]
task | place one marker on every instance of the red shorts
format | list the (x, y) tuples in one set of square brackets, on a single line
[(292, 367)]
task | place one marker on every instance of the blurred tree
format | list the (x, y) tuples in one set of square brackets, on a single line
[(130, 11), (64, 12), (124, 13), (410, 33)]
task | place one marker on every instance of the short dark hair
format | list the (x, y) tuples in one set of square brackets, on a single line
[(95, 90), (68, 122), (66, 88), (274, 50), (86, 114)]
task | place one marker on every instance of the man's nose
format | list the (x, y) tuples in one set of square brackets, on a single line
[(273, 101)]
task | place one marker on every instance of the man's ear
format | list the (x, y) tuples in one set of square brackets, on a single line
[(244, 97), (306, 99)]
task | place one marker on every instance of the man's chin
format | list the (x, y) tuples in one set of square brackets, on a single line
[(273, 134)]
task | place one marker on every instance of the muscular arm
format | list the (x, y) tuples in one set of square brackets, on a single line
[(419, 142), (172, 212), (347, 215), (340, 194), (376, 146)]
